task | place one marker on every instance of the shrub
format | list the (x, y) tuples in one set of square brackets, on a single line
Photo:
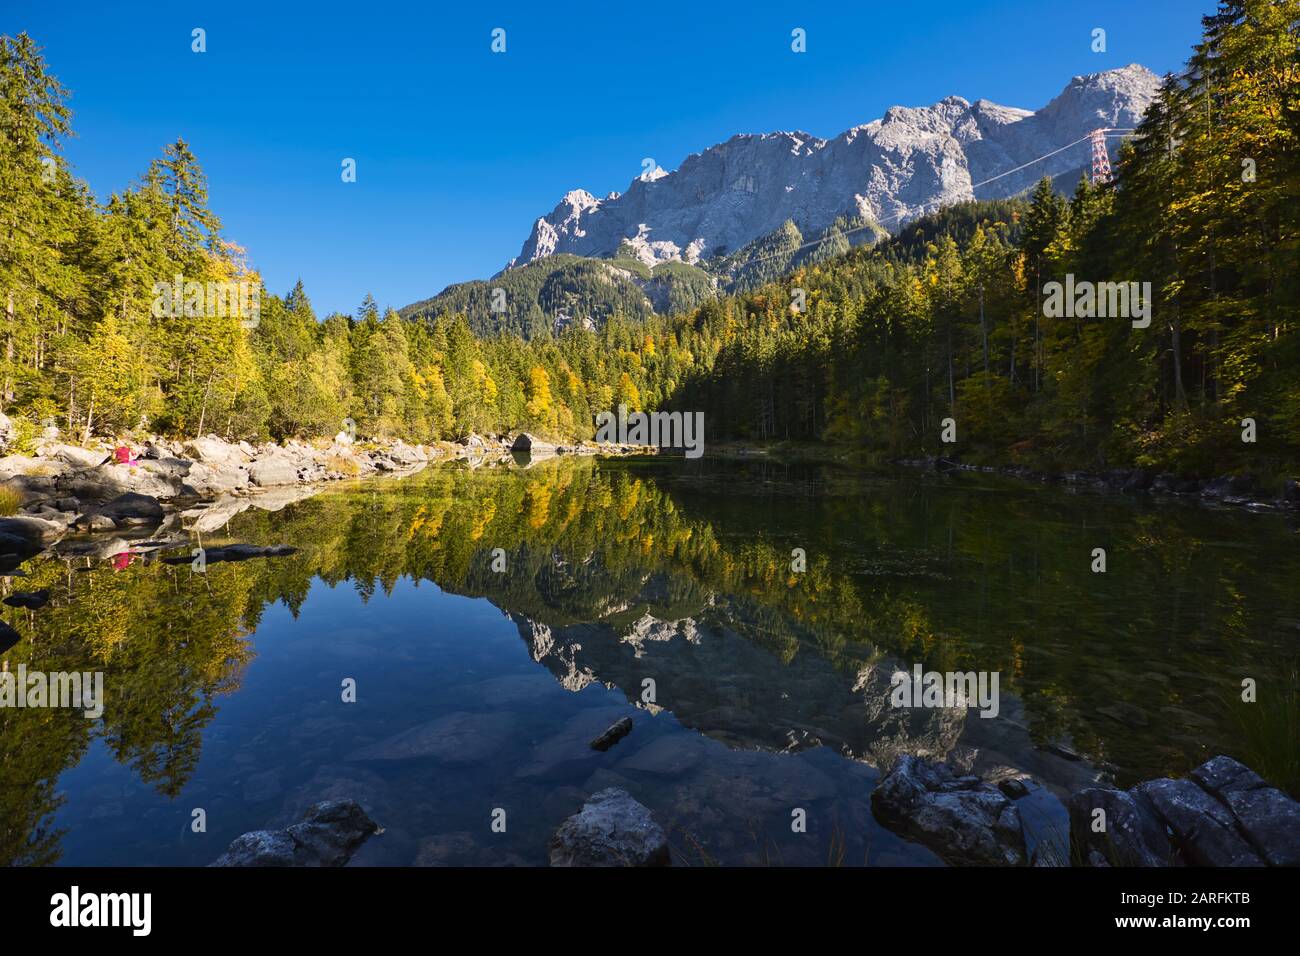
[(10, 500)]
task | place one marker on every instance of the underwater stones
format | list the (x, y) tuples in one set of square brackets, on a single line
[(262, 786), (611, 829), (328, 835), (570, 747), (668, 756), (461, 737), (340, 782), (612, 734)]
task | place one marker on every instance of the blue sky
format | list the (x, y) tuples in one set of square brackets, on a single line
[(458, 149)]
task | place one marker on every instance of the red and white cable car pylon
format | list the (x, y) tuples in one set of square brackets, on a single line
[(1100, 157)]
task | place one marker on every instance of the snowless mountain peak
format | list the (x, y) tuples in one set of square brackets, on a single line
[(909, 162)]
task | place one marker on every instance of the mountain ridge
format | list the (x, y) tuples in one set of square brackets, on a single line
[(890, 170), (734, 214)]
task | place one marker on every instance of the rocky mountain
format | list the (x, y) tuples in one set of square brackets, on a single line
[(751, 209), (911, 161)]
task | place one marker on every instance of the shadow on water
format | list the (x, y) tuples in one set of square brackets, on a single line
[(748, 616)]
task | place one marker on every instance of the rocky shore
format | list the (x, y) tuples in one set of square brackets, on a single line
[(1233, 490), (65, 491), (1221, 814)]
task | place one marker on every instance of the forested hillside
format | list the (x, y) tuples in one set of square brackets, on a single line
[(947, 319), (560, 291), (942, 321)]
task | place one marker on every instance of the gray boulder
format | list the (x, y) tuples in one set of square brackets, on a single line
[(962, 819), (32, 488), (24, 537), (1229, 487), (162, 478), (128, 510), (1128, 832), (1221, 814), (1267, 817), (219, 478), (74, 456), (533, 445), (94, 522), (35, 533), (328, 835), (273, 470), (213, 451), (1202, 827), (12, 465), (611, 829), (207, 518)]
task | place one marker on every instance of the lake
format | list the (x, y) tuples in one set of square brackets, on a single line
[(748, 617)]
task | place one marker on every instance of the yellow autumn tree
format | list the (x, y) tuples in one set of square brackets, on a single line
[(539, 406)]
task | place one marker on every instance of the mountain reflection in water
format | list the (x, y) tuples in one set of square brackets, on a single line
[(659, 589)]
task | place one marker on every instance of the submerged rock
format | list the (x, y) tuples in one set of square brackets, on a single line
[(612, 734), (329, 834), (611, 829), (458, 738), (962, 819)]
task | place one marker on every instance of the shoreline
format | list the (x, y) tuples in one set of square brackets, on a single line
[(1233, 490), (105, 499)]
